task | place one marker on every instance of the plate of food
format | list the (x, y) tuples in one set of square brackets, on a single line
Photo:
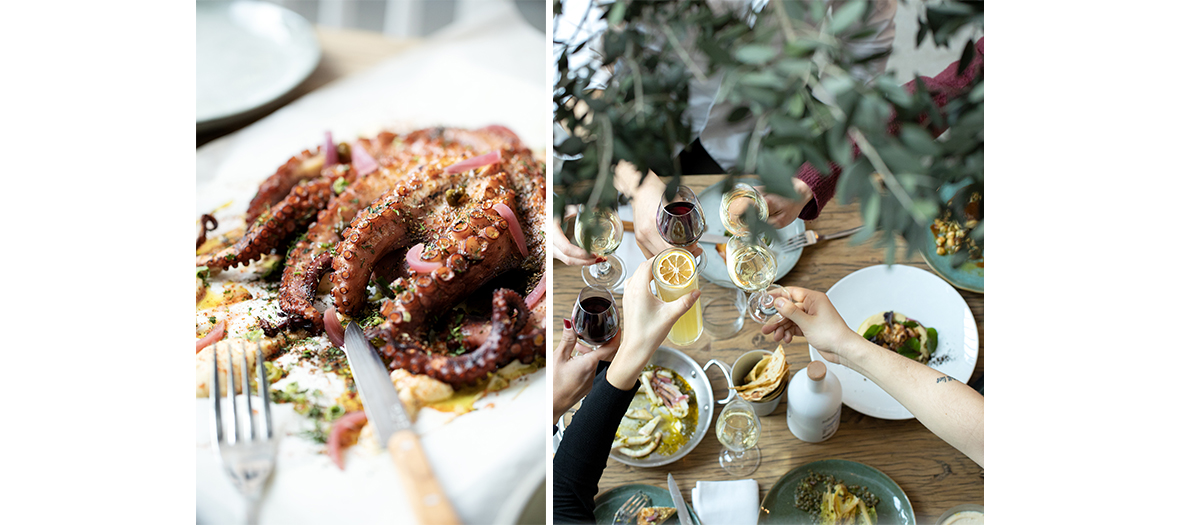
[(715, 270), (659, 507), (909, 311), (432, 240), (835, 491), (249, 54), (950, 250), (669, 415)]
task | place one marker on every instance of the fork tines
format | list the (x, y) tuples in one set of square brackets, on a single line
[(631, 507), (232, 436)]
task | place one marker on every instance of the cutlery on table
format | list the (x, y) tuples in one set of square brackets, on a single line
[(678, 500), (249, 462), (630, 508), (394, 428), (809, 238)]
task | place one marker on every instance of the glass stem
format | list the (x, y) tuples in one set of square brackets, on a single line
[(765, 301), (600, 269)]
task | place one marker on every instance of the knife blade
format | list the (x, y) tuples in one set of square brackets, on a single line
[(394, 428), (678, 500)]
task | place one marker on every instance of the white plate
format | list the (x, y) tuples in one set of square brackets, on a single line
[(248, 55), (715, 270), (915, 293)]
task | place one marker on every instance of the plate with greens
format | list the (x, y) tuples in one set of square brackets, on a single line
[(929, 322), (834, 488)]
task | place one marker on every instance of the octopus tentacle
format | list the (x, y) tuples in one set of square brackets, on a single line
[(305, 278), (473, 249), (208, 224), (303, 167), (399, 157), (500, 347), (401, 217), (274, 225)]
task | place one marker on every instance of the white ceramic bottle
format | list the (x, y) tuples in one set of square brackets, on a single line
[(813, 403)]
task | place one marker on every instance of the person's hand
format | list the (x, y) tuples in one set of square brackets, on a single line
[(810, 314), (783, 211), (647, 319), (566, 251), (645, 205), (574, 375)]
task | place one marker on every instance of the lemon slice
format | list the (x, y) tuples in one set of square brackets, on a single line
[(676, 269)]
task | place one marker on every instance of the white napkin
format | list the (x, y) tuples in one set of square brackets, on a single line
[(732, 502)]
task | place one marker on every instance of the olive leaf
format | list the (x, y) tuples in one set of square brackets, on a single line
[(651, 52)]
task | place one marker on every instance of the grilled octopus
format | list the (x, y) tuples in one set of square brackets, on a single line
[(442, 211)]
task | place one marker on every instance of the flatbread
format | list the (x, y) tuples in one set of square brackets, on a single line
[(766, 377)]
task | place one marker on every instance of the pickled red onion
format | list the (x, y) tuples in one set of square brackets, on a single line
[(473, 162), (330, 157), (513, 226), (213, 336), (538, 293), (333, 328), (350, 423), (414, 259), (362, 162)]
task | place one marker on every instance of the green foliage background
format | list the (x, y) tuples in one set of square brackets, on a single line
[(772, 75)]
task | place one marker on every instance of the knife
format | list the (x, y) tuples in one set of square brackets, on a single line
[(394, 428), (678, 500)]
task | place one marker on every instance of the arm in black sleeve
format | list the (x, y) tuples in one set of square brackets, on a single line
[(585, 446)]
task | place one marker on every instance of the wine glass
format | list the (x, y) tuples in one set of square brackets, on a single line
[(595, 317), (734, 204), (752, 267), (738, 429), (600, 231), (680, 221)]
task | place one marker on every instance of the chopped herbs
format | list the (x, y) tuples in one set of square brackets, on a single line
[(339, 185)]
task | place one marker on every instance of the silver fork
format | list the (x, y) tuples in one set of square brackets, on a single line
[(630, 508), (248, 462), (809, 238)]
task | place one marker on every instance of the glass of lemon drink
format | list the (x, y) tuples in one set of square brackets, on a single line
[(675, 273)]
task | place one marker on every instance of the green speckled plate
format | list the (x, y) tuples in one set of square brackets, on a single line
[(779, 504), (969, 275), (609, 502)]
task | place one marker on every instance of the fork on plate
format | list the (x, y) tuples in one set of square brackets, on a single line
[(250, 461), (809, 238), (630, 508)]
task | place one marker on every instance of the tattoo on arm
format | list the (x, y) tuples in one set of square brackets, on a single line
[(943, 379)]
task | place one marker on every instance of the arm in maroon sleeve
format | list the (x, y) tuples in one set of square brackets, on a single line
[(942, 88)]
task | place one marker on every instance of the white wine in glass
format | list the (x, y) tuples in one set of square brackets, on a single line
[(600, 231), (738, 430), (734, 204), (752, 267)]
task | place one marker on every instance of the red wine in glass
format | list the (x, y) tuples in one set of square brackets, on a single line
[(596, 320), (680, 223)]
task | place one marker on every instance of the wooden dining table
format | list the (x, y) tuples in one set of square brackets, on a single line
[(934, 475)]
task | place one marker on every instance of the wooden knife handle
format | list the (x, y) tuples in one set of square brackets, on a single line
[(426, 496)]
